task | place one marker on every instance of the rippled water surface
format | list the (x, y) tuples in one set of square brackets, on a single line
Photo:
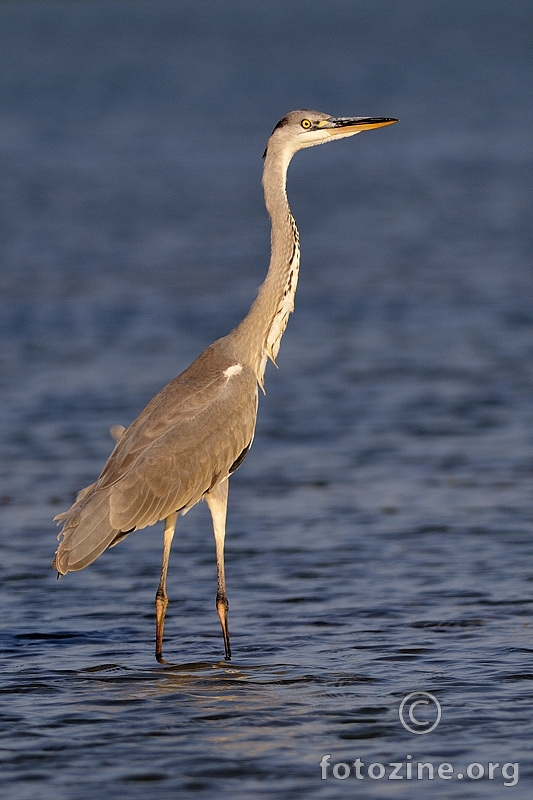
[(380, 532)]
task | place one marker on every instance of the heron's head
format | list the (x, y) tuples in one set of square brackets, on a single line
[(305, 128)]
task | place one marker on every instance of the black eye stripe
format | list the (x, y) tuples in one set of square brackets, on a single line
[(282, 123)]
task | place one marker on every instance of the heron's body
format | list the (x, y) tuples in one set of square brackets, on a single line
[(197, 430)]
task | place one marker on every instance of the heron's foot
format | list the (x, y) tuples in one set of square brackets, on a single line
[(161, 605), (222, 609)]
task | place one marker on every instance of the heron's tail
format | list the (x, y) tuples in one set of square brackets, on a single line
[(87, 531)]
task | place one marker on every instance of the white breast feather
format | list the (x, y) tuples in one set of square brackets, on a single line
[(286, 304)]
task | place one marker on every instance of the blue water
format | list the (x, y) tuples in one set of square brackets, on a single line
[(380, 532)]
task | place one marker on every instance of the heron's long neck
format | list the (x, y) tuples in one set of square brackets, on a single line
[(259, 335)]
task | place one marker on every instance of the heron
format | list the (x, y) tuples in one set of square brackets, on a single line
[(193, 435)]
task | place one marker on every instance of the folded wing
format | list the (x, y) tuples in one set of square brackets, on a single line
[(185, 442)]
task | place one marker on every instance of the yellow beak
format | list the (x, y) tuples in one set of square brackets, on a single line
[(343, 125)]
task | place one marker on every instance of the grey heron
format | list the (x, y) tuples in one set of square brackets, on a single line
[(197, 430)]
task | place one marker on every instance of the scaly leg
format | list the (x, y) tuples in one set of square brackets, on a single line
[(161, 599), (217, 500)]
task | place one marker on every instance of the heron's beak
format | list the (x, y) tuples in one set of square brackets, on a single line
[(344, 125)]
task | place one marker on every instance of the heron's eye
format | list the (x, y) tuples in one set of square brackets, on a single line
[(306, 123)]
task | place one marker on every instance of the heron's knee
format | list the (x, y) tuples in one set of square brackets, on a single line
[(161, 598), (222, 603)]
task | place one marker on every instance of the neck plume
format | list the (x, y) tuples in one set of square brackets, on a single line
[(259, 335)]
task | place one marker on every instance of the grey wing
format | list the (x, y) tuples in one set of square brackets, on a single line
[(187, 440), (189, 458)]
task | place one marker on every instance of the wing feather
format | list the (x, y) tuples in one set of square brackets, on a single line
[(185, 441)]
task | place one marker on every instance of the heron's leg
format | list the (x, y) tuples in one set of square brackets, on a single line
[(161, 599), (217, 500)]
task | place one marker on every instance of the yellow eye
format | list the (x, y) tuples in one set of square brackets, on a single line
[(306, 123)]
